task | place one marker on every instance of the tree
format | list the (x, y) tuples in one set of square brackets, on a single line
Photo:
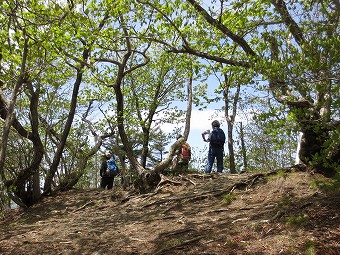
[(270, 146), (56, 59), (20, 49), (119, 66), (60, 48), (231, 117), (35, 42), (292, 46), (149, 94)]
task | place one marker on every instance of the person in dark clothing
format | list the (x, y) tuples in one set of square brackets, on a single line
[(216, 146), (106, 181)]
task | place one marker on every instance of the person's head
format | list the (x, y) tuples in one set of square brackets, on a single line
[(107, 154), (215, 124), (179, 136)]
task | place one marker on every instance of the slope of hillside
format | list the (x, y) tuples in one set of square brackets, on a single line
[(263, 213)]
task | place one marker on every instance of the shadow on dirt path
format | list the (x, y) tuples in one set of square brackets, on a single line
[(190, 214)]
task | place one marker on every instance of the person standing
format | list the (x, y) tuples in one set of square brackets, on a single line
[(106, 178), (216, 142)]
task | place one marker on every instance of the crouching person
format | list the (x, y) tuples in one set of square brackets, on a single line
[(180, 163)]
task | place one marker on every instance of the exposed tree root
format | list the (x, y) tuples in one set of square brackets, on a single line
[(155, 182), (84, 206), (210, 193), (165, 180), (178, 245)]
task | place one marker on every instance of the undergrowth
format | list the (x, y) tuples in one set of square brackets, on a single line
[(327, 185)]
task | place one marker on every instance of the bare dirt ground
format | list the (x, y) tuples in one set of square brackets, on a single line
[(190, 214)]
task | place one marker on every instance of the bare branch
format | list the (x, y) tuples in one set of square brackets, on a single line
[(289, 21), (237, 39), (168, 19), (211, 57)]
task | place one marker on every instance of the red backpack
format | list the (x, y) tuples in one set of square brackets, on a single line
[(186, 152)]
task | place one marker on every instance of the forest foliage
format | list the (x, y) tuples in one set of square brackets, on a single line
[(80, 77)]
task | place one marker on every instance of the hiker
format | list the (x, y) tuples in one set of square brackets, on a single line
[(216, 142), (183, 155), (108, 171)]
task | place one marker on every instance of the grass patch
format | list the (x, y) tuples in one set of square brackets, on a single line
[(172, 243), (228, 198), (232, 244), (284, 201), (310, 248), (327, 185), (279, 174), (296, 220)]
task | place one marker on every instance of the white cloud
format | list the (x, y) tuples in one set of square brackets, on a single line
[(200, 120)]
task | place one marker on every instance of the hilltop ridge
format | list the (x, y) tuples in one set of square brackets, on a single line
[(262, 213)]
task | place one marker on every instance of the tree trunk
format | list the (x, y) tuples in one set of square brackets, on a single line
[(189, 108), (148, 180), (80, 71), (31, 194), (73, 178), (312, 150), (145, 149), (231, 119), (36, 194), (231, 147), (297, 157), (68, 124), (243, 148), (10, 112)]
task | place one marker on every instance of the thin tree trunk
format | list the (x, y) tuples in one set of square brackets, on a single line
[(73, 178), (73, 106), (189, 109), (297, 157), (243, 148), (24, 176), (230, 118), (166, 162), (231, 147), (36, 186), (68, 124), (10, 112), (31, 173)]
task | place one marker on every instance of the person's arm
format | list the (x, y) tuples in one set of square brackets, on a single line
[(205, 133), (103, 168)]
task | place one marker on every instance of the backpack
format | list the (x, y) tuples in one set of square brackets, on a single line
[(112, 167), (185, 152), (217, 138)]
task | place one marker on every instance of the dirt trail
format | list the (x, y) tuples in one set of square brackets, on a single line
[(191, 214)]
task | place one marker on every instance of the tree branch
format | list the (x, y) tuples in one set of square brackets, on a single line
[(16, 124), (293, 27), (237, 39), (191, 51)]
